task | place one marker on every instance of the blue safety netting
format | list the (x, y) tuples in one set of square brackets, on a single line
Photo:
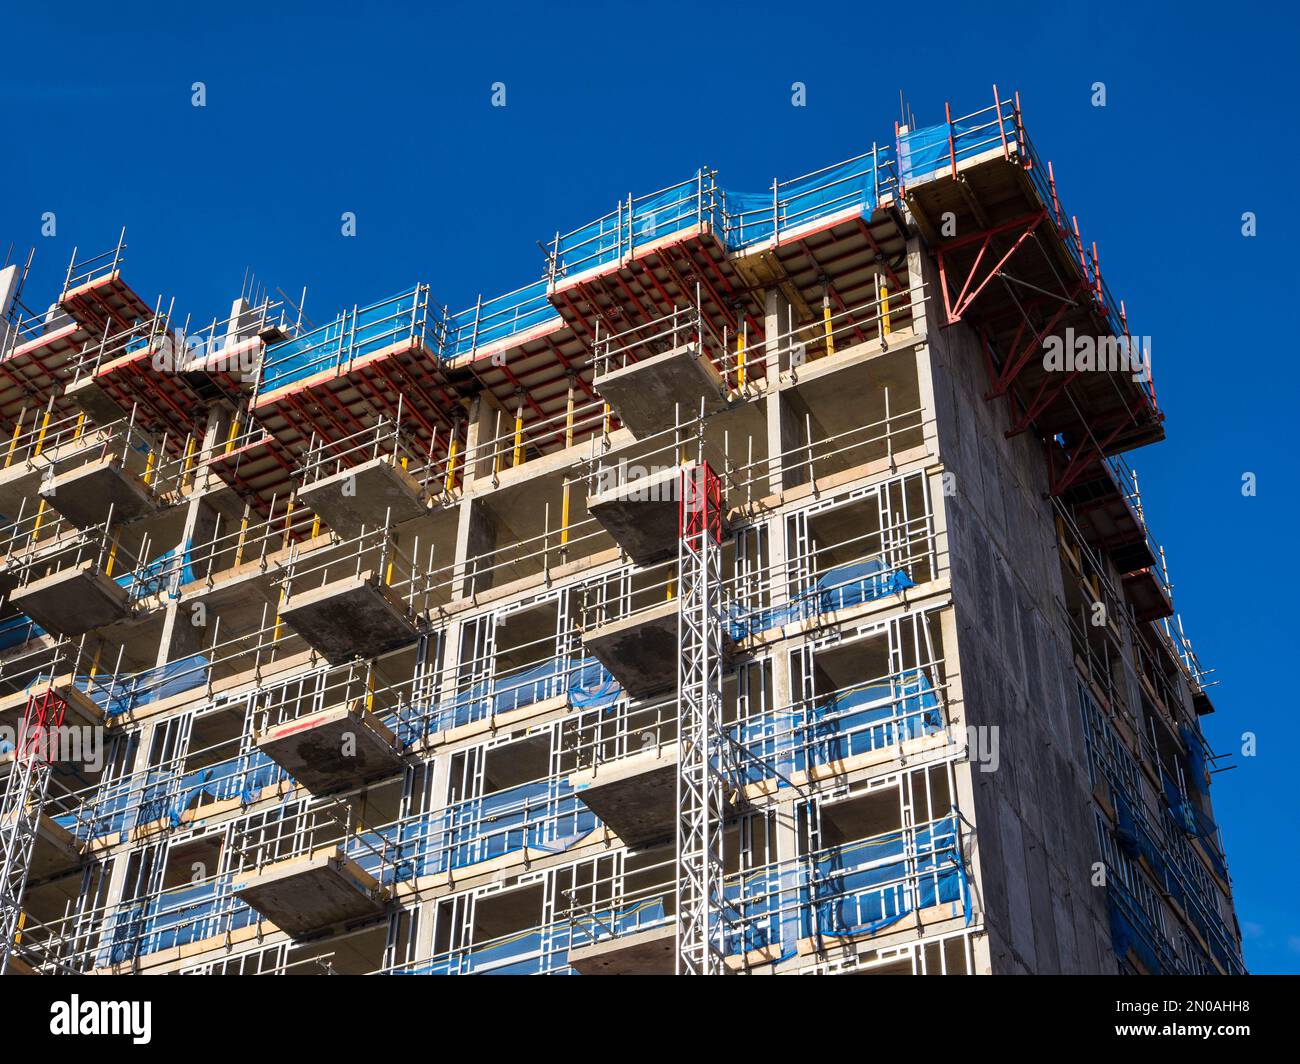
[(839, 588), (1131, 928), (865, 886), (121, 694), (352, 335), (544, 815), (871, 717), (164, 574), (190, 913), (17, 630), (495, 319), (924, 150), (1198, 776), (586, 682), (753, 217)]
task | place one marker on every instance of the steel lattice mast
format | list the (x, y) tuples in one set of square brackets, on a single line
[(20, 811), (700, 781)]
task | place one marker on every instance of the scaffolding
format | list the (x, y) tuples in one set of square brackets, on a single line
[(612, 624)]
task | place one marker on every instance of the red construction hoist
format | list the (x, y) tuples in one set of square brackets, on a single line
[(701, 779), (20, 811)]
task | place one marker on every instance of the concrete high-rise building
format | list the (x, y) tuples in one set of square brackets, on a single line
[(763, 590)]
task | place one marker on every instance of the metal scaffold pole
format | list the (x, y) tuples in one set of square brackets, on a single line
[(701, 785), (20, 811)]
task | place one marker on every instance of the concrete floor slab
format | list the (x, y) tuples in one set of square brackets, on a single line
[(358, 617), (332, 749), (635, 797), (651, 952), (359, 497), (86, 494), (641, 650), (648, 395), (73, 600), (305, 894), (641, 515)]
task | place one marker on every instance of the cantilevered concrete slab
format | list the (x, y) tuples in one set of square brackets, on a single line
[(320, 890), (55, 850), (648, 395), (635, 797), (333, 749), (73, 600), (651, 952), (357, 617), (641, 515), (88, 394), (86, 494), (360, 497), (641, 650)]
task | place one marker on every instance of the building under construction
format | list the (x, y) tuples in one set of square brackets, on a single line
[(749, 594)]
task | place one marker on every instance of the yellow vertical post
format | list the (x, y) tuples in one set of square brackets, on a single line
[(243, 536), (740, 354), (453, 447), (112, 558), (40, 436), (13, 443), (392, 559), (519, 435), (315, 526), (370, 689), (826, 322), (233, 434), (40, 517), (189, 460), (288, 523), (81, 426), (884, 310), (149, 461)]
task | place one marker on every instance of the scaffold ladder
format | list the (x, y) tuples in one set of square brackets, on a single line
[(701, 782), (21, 808)]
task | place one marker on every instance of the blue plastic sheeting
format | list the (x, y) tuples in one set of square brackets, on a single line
[(1130, 928), (865, 886), (496, 319), (586, 682), (922, 151), (242, 777), (841, 587), (176, 917), (1187, 815), (125, 693), (754, 217), (870, 718), (165, 574), (352, 335), (545, 815), (867, 718), (1197, 776), (17, 630), (652, 217)]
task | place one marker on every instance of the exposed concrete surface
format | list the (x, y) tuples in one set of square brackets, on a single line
[(311, 893), (360, 497), (332, 749), (652, 394), (1034, 833), (85, 494), (641, 651), (636, 798), (652, 952), (73, 600), (354, 617), (642, 515)]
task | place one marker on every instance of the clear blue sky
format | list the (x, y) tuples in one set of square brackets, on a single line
[(385, 111)]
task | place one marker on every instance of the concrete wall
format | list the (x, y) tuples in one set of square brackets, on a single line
[(1034, 824)]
